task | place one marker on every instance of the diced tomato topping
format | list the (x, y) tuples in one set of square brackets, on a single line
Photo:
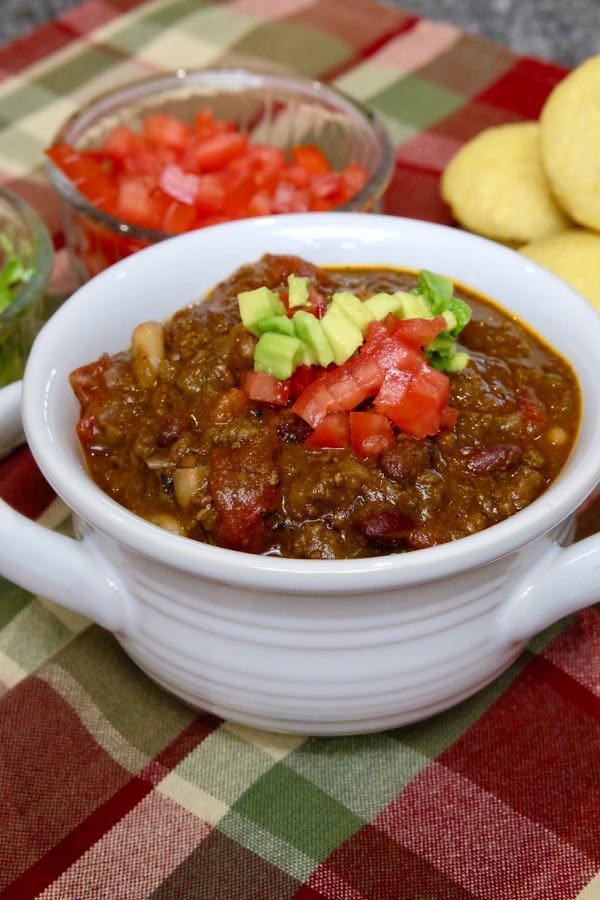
[(239, 190), (301, 378), (342, 388), (149, 159), (414, 400), (407, 390), (265, 388), (214, 152), (179, 217), (296, 176), (370, 433), (91, 176), (144, 179), (210, 194), (391, 352), (122, 142), (180, 185), (204, 123), (137, 202), (326, 185), (311, 158), (266, 163), (332, 433), (415, 332), (354, 177), (164, 129), (289, 198), (259, 204)]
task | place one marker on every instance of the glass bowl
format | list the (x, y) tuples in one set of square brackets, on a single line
[(278, 110), (23, 236)]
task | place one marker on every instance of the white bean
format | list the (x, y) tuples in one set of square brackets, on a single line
[(556, 436), (148, 348), (186, 482), (167, 521)]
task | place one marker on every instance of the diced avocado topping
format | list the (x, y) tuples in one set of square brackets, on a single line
[(450, 319), (306, 356), (278, 324), (414, 306), (297, 291), (441, 350), (258, 304), (357, 311), (285, 343), (436, 289), (438, 293), (381, 305), (462, 312), (276, 354), (458, 362), (311, 332), (343, 335)]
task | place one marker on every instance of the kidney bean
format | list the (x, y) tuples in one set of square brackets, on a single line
[(404, 460), (170, 430), (493, 460), (293, 431), (385, 528)]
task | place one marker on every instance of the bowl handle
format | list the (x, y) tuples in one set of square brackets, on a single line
[(565, 580), (62, 569)]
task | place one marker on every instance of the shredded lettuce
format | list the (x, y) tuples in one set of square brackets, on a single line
[(13, 273)]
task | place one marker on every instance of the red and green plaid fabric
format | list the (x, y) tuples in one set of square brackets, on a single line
[(111, 789)]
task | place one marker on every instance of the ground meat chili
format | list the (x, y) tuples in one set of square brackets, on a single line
[(177, 440)]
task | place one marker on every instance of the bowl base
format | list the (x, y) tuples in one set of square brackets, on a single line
[(329, 728)]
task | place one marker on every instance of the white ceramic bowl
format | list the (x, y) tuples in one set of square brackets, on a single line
[(298, 645)]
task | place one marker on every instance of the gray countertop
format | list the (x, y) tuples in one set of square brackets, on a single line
[(566, 33)]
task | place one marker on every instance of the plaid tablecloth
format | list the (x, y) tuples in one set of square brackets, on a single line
[(110, 789)]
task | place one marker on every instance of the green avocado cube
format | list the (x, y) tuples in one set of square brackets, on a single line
[(310, 331), (450, 318), (458, 362), (258, 304), (343, 335), (354, 308), (414, 306), (278, 324), (380, 305), (276, 354), (297, 291), (306, 356)]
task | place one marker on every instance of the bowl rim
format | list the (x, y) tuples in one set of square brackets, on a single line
[(228, 75), (42, 260), (271, 573)]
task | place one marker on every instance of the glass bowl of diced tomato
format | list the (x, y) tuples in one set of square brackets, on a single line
[(187, 150)]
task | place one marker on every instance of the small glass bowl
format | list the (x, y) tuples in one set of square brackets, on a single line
[(279, 110), (22, 229)]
